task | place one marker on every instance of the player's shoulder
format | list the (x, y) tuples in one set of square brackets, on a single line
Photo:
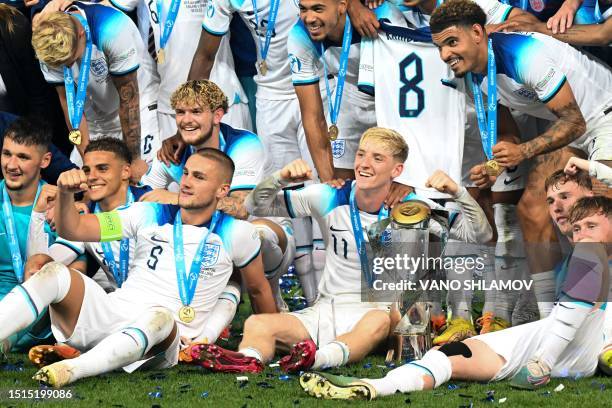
[(139, 191), (328, 198), (236, 138), (150, 213), (104, 20), (299, 37), (232, 229)]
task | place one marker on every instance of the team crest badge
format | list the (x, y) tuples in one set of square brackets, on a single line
[(338, 147), (211, 255), (98, 67), (385, 238), (537, 5)]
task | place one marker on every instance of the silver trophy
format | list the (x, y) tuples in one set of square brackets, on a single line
[(407, 234)]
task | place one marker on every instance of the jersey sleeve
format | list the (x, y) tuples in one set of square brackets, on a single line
[(65, 251), (117, 41), (54, 76), (218, 17), (496, 11), (124, 222), (541, 73), (249, 157), (303, 56), (365, 83), (246, 243), (125, 5), (470, 225), (158, 175)]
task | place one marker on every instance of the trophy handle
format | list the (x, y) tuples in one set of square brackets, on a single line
[(394, 342)]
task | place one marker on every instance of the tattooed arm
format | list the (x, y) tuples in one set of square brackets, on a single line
[(588, 34), (234, 204), (129, 110), (566, 129)]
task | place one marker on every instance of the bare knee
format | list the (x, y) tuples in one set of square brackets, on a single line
[(378, 325), (257, 324)]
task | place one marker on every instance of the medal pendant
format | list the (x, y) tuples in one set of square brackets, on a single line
[(333, 132), (75, 137), (263, 68), (493, 168), (161, 56), (186, 314)]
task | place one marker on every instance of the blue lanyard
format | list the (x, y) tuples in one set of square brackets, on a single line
[(487, 123), (358, 233), (264, 47), (187, 283), (120, 274), (11, 231), (75, 107), (334, 107), (165, 27)]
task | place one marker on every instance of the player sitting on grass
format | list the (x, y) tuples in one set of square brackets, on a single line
[(578, 318)]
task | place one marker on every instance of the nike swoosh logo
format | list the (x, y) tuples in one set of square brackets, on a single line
[(337, 230), (156, 238), (508, 181)]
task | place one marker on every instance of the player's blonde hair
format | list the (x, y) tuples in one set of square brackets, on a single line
[(54, 38), (389, 139), (202, 92)]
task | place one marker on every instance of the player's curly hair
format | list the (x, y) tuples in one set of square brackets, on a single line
[(54, 38), (456, 13), (388, 138), (587, 206), (559, 177), (202, 92)]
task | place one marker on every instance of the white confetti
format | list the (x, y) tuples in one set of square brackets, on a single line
[(502, 400), (242, 378), (273, 365), (559, 387)]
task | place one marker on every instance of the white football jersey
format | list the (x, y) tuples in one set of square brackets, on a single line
[(532, 67), (117, 49), (181, 47), (415, 97), (276, 84), (153, 279), (496, 12)]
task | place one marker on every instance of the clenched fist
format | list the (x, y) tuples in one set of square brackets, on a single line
[(72, 181), (296, 172)]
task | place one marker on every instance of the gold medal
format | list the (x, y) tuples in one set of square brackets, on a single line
[(263, 68), (493, 168), (410, 212), (75, 137), (333, 132), (186, 314), (161, 56)]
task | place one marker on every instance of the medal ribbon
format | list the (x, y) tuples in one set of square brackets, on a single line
[(487, 123), (11, 230), (165, 27), (76, 107), (187, 283), (358, 233), (119, 273), (334, 108), (265, 46)]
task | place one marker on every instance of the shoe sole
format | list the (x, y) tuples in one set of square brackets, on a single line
[(320, 387)]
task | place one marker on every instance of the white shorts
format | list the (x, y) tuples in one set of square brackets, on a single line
[(167, 125), (597, 141), (103, 314), (519, 343), (326, 319)]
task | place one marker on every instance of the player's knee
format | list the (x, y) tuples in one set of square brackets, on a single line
[(53, 270), (379, 325), (160, 319), (256, 325)]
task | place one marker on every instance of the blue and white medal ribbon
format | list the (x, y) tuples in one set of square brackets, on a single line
[(358, 233), (187, 283), (165, 27), (119, 273), (11, 231), (487, 122), (76, 103), (265, 46)]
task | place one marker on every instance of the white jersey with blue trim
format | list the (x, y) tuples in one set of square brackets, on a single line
[(276, 84), (495, 11), (341, 279), (117, 50), (242, 146), (532, 68), (413, 92), (307, 65), (152, 277), (181, 47)]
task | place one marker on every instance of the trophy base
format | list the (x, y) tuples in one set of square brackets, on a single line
[(409, 347)]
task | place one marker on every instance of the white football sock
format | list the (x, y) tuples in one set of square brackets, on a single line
[(460, 301), (17, 311), (222, 313), (318, 263), (251, 352), (305, 272), (126, 346), (508, 269), (509, 235), (334, 354), (489, 275), (544, 287)]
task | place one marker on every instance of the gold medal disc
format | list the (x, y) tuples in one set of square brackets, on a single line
[(333, 132), (186, 314), (410, 212), (263, 68), (161, 56), (75, 137), (493, 168)]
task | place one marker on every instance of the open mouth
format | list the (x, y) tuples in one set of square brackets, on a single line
[(365, 173), (453, 62)]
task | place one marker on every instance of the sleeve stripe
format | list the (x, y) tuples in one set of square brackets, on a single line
[(243, 187), (128, 71), (506, 14), (288, 204), (302, 82), (213, 32), (255, 255), (555, 91)]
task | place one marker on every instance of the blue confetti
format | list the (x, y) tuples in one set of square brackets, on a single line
[(453, 387), (284, 377), (367, 365), (204, 394), (546, 394), (155, 394), (390, 364)]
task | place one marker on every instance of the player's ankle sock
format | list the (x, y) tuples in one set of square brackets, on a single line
[(565, 322), (251, 352), (334, 354), (222, 313), (459, 300), (125, 347), (305, 272), (544, 287)]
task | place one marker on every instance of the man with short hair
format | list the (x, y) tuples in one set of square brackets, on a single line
[(343, 326), (501, 355), (189, 249)]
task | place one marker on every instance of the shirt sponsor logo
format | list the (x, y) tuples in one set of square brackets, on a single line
[(245, 172), (294, 63), (549, 75)]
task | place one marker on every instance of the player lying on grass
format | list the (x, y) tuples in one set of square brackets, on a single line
[(344, 326), (162, 300), (570, 338)]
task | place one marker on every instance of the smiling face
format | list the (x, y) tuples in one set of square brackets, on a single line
[(195, 123), (560, 198), (21, 163), (375, 166), (461, 48), (106, 174), (322, 17), (202, 183)]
